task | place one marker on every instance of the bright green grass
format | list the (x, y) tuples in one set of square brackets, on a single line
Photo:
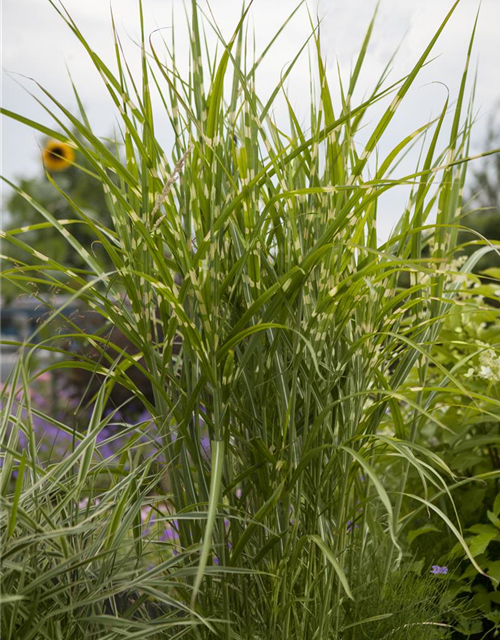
[(257, 252)]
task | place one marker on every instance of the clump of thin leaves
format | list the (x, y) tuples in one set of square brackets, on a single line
[(263, 312), (414, 604)]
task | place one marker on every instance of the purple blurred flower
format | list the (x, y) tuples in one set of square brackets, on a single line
[(169, 534), (350, 527), (102, 435), (39, 400), (436, 570), (144, 416), (106, 451), (117, 416), (45, 428), (146, 514)]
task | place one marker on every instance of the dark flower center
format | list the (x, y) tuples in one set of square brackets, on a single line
[(56, 152)]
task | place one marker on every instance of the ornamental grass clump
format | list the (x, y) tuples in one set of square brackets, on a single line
[(275, 334)]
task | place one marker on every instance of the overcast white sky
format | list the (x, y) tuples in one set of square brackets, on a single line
[(37, 43)]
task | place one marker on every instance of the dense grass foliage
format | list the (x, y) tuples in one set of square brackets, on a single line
[(265, 315)]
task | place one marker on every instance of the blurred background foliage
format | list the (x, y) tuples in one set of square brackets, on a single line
[(483, 197), (72, 176)]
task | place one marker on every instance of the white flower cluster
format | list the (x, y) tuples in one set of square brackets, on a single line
[(489, 365)]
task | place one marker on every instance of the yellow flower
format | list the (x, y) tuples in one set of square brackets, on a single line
[(57, 156)]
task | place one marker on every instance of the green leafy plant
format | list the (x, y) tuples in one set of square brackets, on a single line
[(467, 440)]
